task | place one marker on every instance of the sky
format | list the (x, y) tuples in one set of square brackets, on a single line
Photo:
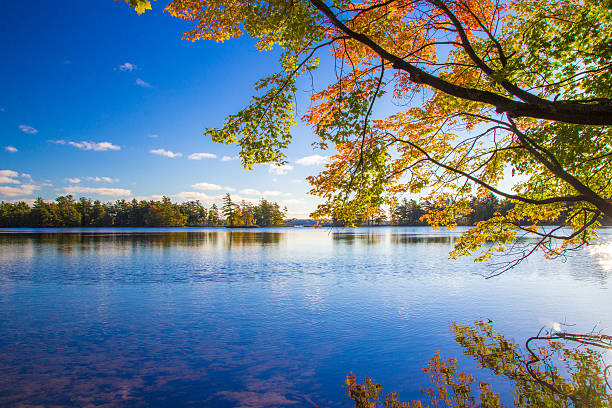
[(97, 101)]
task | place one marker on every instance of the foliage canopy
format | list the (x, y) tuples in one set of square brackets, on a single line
[(441, 98)]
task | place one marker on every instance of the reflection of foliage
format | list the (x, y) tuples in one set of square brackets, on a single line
[(100, 243), (557, 370)]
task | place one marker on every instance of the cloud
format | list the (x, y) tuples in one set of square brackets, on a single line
[(59, 142), (22, 190), (114, 192), (105, 179), (207, 186), (200, 156), (194, 195), (9, 173), (226, 188), (250, 191), (73, 180), (273, 193), (290, 201), (8, 180), (95, 146), (9, 177), (11, 149), (28, 129), (28, 201), (154, 136), (153, 197), (25, 175), (314, 160), (279, 170), (167, 153), (143, 84), (228, 158), (127, 66)]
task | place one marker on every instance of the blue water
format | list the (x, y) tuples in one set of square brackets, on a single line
[(256, 318)]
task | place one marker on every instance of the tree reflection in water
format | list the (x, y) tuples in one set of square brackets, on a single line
[(554, 369), (69, 242)]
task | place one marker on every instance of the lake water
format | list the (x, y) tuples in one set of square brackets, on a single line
[(260, 318)]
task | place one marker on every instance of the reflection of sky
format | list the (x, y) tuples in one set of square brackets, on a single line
[(265, 318), (603, 254)]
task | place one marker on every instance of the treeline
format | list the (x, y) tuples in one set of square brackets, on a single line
[(245, 214), (410, 212), (67, 212)]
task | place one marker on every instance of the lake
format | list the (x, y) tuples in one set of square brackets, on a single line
[(260, 318)]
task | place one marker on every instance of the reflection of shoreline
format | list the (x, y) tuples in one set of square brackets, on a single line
[(87, 242)]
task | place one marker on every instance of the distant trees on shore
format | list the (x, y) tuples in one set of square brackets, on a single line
[(411, 212), (65, 211)]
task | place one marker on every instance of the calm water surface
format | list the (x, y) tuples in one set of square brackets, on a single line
[(256, 318)]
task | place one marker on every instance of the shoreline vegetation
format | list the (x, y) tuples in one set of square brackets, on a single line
[(66, 212)]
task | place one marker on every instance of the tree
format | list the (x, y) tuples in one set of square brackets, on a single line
[(164, 214), (481, 89), (213, 216), (229, 210), (66, 212)]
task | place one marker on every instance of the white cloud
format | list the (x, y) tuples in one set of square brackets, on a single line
[(8, 180), (105, 179), (228, 158), (194, 195), (95, 146), (149, 198), (74, 180), (9, 177), (28, 129), (154, 136), (28, 201), (279, 170), (200, 156), (25, 175), (315, 159), (127, 66), (207, 186), (59, 142), (250, 191), (273, 193), (11, 149), (290, 201), (22, 190), (114, 192), (9, 173), (226, 188), (167, 153), (265, 193), (143, 84)]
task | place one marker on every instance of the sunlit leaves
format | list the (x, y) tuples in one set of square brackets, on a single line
[(391, 135), (139, 5)]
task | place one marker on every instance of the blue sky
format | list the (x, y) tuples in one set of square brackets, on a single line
[(97, 101)]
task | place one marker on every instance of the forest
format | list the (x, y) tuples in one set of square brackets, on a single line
[(65, 211)]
